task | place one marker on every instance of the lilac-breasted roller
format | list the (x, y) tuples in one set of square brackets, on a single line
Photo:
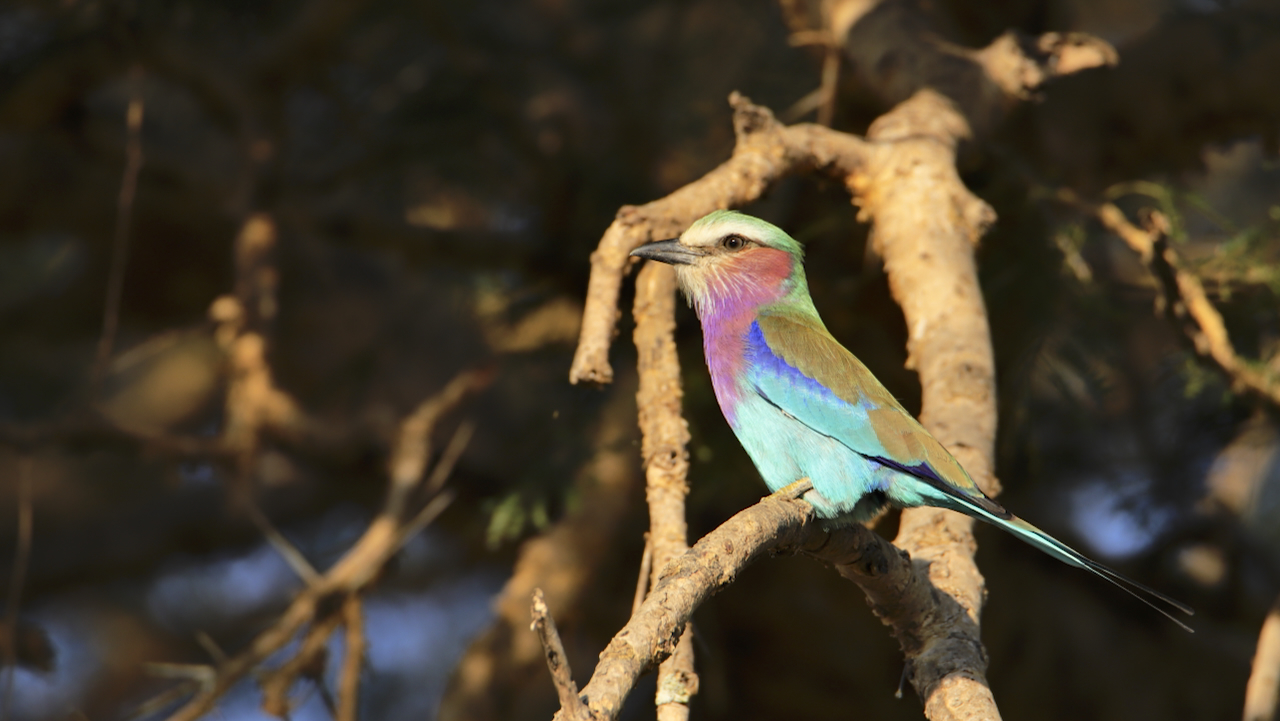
[(804, 407)]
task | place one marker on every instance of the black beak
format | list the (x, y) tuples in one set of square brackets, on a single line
[(667, 251)]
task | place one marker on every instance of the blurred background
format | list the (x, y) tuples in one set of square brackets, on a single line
[(430, 179)]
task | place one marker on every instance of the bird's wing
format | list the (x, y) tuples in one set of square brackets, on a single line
[(797, 366), (800, 368)]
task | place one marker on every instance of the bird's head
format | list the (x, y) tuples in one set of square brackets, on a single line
[(728, 261)]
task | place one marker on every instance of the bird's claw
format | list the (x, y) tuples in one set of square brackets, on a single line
[(794, 490)]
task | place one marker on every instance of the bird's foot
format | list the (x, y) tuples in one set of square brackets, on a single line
[(794, 490)]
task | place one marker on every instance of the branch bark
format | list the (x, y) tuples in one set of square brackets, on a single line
[(899, 589), (928, 257), (766, 151), (665, 437), (653, 633)]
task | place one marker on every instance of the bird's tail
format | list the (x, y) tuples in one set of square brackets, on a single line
[(991, 512)]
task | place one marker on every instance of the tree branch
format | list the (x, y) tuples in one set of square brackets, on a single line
[(934, 278), (557, 660), (654, 631), (665, 437), (1185, 298), (321, 603)]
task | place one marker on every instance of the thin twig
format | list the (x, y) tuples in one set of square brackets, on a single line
[(349, 679), (413, 441), (211, 647), (21, 557), (571, 706), (124, 221), (642, 580), (287, 550), (1262, 694), (830, 84), (452, 454)]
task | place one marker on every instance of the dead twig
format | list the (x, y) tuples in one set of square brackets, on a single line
[(571, 706), (642, 580), (308, 663), (287, 550), (1262, 694)]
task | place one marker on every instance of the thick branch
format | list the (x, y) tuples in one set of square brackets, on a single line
[(899, 590), (926, 225)]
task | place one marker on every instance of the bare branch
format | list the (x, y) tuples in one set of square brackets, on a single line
[(933, 276), (571, 706), (287, 550), (907, 164), (308, 662), (413, 442), (665, 435), (315, 605), (685, 583), (1186, 299)]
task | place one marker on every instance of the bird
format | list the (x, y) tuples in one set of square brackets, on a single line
[(804, 407)]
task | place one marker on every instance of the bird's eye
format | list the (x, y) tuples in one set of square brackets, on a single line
[(733, 242)]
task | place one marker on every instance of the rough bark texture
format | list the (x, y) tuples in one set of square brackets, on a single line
[(926, 225), (655, 631), (665, 437)]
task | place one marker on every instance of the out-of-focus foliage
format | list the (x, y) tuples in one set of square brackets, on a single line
[(439, 173)]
